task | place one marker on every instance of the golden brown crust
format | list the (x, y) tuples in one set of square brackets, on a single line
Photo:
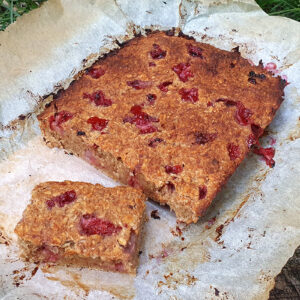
[(124, 153), (59, 229)]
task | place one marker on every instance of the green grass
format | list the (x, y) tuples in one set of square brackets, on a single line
[(11, 9), (284, 8)]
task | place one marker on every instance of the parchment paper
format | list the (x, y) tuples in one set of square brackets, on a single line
[(253, 226)]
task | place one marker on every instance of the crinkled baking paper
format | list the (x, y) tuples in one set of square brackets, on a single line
[(253, 226)]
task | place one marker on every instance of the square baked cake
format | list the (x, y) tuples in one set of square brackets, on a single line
[(83, 225), (166, 114)]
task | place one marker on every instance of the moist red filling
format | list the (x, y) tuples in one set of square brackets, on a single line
[(142, 120), (96, 72), (203, 138), (189, 95), (174, 169), (183, 70), (90, 224), (195, 51), (98, 98), (157, 52), (202, 192), (59, 118), (164, 86), (267, 154), (139, 84), (97, 123), (243, 114), (62, 200), (233, 151)]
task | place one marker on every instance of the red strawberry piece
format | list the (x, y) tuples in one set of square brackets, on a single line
[(91, 225), (227, 102), (189, 95), (63, 199), (267, 154), (203, 138), (59, 118), (97, 123), (157, 52), (164, 86), (233, 151), (96, 72), (202, 192), (98, 98), (141, 120), (195, 51), (183, 70), (173, 169), (139, 84), (243, 114)]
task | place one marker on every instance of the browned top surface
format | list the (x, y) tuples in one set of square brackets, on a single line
[(122, 206), (220, 74)]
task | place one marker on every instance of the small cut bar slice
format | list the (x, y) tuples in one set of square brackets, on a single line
[(84, 225)]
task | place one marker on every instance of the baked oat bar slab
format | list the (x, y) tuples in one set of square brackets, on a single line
[(167, 114)]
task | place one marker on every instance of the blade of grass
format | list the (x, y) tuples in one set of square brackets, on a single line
[(289, 4), (286, 8), (278, 7), (11, 11), (273, 5), (283, 12), (5, 5)]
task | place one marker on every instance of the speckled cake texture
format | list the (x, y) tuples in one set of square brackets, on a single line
[(84, 225), (166, 114)]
